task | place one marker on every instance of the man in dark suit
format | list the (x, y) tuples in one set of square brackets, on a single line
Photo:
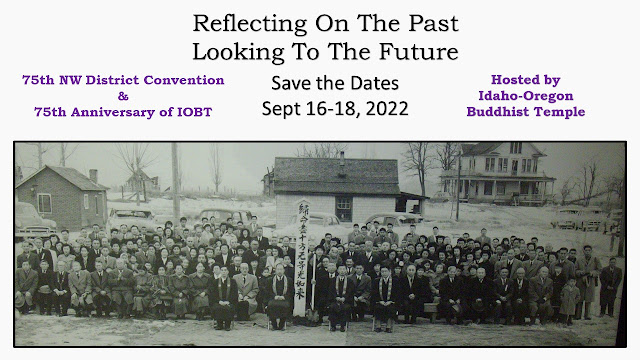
[(26, 284), (288, 250), (610, 279), (223, 293), (100, 290), (27, 255), (263, 242), (540, 291), (253, 253), (520, 297), (369, 258), (510, 263), (482, 296), (42, 254), (341, 292), (451, 296), (414, 295), (503, 287), (532, 265), (350, 253), (225, 258), (61, 292), (362, 293)]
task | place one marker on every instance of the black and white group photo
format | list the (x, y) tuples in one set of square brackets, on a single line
[(407, 244)]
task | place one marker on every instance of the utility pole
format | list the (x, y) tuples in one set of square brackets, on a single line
[(63, 156), (458, 186), (176, 182)]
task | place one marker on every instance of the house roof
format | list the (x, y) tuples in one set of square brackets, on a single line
[(71, 175), (322, 176), (143, 175), (488, 147)]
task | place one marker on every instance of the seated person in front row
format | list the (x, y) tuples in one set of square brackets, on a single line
[(121, 283), (451, 290), (341, 290), (80, 286), (100, 290), (540, 291), (279, 298), (247, 292), (482, 296), (362, 293), (61, 292), (223, 293), (520, 297), (180, 286), (415, 292), (385, 298)]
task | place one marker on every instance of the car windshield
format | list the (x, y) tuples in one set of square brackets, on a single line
[(25, 210), (133, 214)]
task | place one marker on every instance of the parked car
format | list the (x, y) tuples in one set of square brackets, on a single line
[(566, 218), (221, 215), (401, 222), (318, 225), (129, 215), (28, 223), (591, 219), (612, 223)]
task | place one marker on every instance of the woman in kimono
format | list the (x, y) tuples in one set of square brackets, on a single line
[(180, 286), (142, 291), (279, 298), (224, 299), (385, 297), (199, 291), (161, 293)]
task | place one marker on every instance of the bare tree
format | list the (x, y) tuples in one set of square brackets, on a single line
[(215, 164), (568, 186), (445, 154), (66, 150), (136, 157), (330, 150), (614, 184), (588, 177), (417, 162)]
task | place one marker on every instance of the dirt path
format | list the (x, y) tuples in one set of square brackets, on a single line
[(39, 330)]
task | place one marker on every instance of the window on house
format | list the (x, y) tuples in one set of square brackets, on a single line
[(490, 165), (528, 165), (516, 148), (502, 165), (344, 208), (501, 187), (44, 203), (488, 187), (86, 201), (535, 166)]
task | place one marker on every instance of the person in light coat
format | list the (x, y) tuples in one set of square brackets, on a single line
[(247, 292)]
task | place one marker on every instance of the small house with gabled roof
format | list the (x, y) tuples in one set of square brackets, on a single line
[(66, 196)]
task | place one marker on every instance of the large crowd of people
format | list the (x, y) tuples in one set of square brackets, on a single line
[(228, 270)]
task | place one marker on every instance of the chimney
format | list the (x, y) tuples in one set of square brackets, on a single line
[(342, 163), (93, 175)]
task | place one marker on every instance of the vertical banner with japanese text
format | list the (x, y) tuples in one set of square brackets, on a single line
[(302, 246)]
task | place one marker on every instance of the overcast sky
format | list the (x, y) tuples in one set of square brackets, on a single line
[(244, 164)]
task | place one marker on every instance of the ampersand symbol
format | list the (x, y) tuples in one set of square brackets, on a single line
[(122, 96)]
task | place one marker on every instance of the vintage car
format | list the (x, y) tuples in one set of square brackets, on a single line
[(566, 218), (591, 219), (221, 215), (612, 223), (130, 214), (318, 225), (28, 223), (401, 222)]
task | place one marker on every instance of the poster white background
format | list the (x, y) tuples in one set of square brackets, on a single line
[(591, 45)]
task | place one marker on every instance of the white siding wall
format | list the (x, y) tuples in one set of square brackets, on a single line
[(363, 207), (286, 206)]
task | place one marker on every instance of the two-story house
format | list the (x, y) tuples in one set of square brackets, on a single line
[(501, 173)]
